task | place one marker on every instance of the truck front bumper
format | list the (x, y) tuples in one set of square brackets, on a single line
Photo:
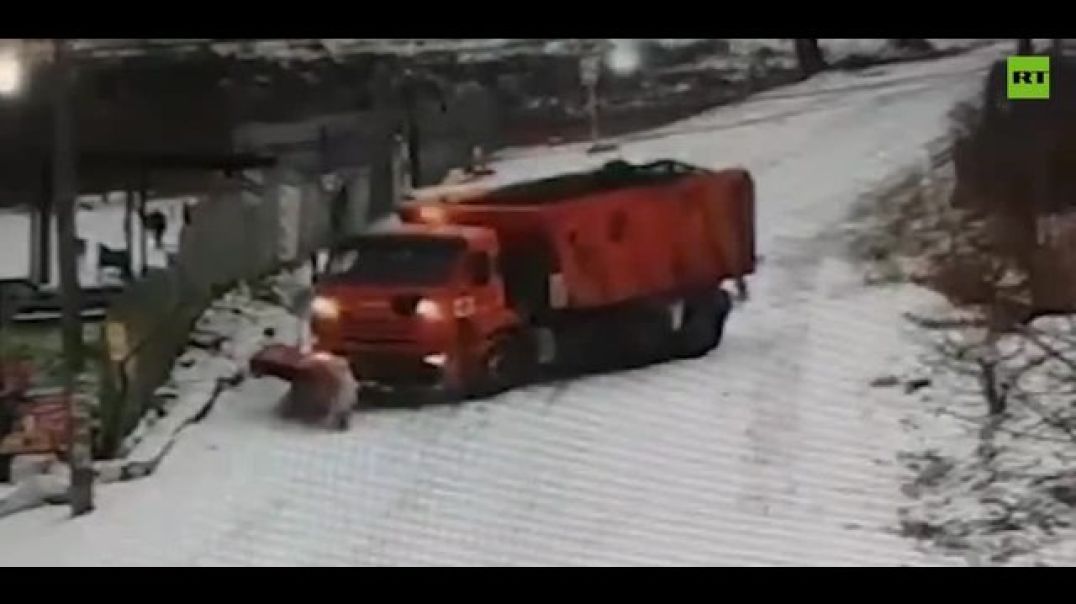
[(406, 395), (401, 376)]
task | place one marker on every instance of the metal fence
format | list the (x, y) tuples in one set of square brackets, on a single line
[(277, 217), (236, 234)]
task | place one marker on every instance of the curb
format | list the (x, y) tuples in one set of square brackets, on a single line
[(144, 458), (141, 461), (193, 406)]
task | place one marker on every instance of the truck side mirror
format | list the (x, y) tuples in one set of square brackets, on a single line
[(480, 269)]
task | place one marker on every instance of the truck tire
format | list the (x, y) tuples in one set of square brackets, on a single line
[(643, 341), (510, 362), (704, 324)]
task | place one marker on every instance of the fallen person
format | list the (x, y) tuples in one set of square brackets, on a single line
[(323, 389)]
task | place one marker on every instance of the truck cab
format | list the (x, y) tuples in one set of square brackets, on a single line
[(419, 306)]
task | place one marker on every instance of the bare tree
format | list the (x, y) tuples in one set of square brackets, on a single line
[(971, 349), (974, 272), (988, 267)]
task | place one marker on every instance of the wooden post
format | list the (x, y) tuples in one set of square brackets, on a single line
[(5, 308), (589, 73), (64, 192), (143, 193), (412, 107), (414, 146), (128, 232), (41, 237), (592, 111), (65, 189), (809, 56)]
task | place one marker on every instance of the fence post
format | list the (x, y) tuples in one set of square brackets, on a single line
[(128, 229), (154, 314), (143, 197)]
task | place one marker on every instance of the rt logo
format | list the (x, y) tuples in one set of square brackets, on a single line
[(1028, 77)]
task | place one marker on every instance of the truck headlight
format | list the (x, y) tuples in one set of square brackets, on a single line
[(431, 214), (437, 360), (325, 308), (429, 310)]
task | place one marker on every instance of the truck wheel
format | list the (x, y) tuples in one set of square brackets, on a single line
[(509, 363), (704, 324), (643, 341)]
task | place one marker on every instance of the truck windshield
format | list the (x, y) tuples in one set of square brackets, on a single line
[(397, 260)]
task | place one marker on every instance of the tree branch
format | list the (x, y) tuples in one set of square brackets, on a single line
[(1035, 339), (930, 323)]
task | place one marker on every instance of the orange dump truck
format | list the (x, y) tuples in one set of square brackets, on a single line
[(482, 289)]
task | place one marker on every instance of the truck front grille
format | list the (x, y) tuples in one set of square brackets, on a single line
[(395, 369), (376, 331)]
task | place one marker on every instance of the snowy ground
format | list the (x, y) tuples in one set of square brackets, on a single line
[(980, 489), (744, 51), (993, 496), (772, 450)]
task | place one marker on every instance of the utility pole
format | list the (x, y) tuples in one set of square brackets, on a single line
[(409, 96), (592, 55), (809, 56), (64, 191), (589, 72), (143, 198), (411, 87), (128, 229), (41, 235), (592, 103)]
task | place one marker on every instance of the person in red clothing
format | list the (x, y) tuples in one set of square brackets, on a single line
[(323, 389)]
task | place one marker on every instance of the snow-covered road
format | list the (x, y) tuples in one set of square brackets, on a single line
[(771, 450)]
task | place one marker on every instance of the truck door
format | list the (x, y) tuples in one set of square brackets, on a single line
[(485, 292)]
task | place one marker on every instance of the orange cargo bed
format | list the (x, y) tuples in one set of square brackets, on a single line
[(671, 229)]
